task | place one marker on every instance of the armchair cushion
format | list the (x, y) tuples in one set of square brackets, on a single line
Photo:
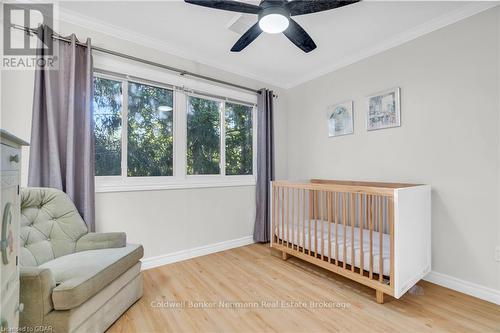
[(105, 240), (36, 286), (81, 275), (50, 225)]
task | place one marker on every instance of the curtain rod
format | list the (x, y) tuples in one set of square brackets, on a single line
[(144, 61)]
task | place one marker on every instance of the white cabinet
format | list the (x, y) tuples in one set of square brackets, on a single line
[(9, 232)]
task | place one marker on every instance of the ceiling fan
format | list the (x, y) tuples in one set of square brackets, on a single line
[(275, 17)]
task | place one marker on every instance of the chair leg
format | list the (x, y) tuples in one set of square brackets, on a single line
[(284, 255), (380, 296)]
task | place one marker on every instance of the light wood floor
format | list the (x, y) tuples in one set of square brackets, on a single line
[(251, 274)]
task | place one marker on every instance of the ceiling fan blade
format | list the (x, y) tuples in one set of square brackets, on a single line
[(233, 6), (297, 35), (301, 7), (247, 38)]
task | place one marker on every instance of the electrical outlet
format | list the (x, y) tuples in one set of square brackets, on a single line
[(497, 253)]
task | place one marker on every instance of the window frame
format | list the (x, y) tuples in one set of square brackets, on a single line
[(179, 179)]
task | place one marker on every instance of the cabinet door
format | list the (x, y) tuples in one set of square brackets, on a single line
[(10, 310), (9, 271)]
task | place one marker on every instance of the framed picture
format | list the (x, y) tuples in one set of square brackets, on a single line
[(383, 110), (340, 119)]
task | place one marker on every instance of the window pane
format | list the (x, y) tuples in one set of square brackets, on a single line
[(203, 136), (239, 148), (108, 126), (150, 129)]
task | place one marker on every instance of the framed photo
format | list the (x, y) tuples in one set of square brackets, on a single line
[(340, 119), (383, 110)]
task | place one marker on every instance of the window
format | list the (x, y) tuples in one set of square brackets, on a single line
[(149, 135), (150, 131), (203, 136), (239, 142), (108, 126)]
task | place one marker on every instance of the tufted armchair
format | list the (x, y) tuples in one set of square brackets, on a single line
[(72, 280)]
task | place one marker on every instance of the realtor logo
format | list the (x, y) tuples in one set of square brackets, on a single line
[(22, 47), (27, 15)]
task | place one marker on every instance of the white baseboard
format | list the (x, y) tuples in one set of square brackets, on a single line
[(469, 288), (152, 262)]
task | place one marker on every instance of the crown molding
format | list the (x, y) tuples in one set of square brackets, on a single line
[(459, 14), (404, 37), (74, 18)]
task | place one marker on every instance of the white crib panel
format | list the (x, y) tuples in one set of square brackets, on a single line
[(412, 236)]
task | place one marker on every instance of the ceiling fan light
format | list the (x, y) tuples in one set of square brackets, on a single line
[(273, 23)]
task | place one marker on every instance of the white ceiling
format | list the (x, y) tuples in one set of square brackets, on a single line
[(343, 35)]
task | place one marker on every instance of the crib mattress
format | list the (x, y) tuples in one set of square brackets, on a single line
[(295, 235)]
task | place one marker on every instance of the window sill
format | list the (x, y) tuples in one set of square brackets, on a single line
[(108, 186)]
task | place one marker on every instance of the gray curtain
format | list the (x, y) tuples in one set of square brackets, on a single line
[(265, 165), (62, 140)]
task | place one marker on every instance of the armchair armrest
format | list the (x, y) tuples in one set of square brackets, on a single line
[(105, 240), (36, 295)]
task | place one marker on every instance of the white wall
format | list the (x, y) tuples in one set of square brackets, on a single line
[(449, 136), (163, 221)]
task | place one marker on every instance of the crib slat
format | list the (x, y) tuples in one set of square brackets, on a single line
[(353, 217), (381, 240), (322, 209), (304, 221), (336, 228), (294, 219), (310, 215), (292, 222), (283, 216), (273, 211), (361, 227), (289, 206), (311, 222), (279, 215), (287, 218), (297, 218), (273, 230), (329, 219), (344, 222), (287, 215), (278, 210), (391, 236), (315, 224), (370, 226), (297, 226)]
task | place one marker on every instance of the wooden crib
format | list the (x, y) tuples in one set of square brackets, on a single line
[(377, 234)]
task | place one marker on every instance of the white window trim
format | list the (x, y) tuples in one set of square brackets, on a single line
[(118, 185), (180, 179)]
